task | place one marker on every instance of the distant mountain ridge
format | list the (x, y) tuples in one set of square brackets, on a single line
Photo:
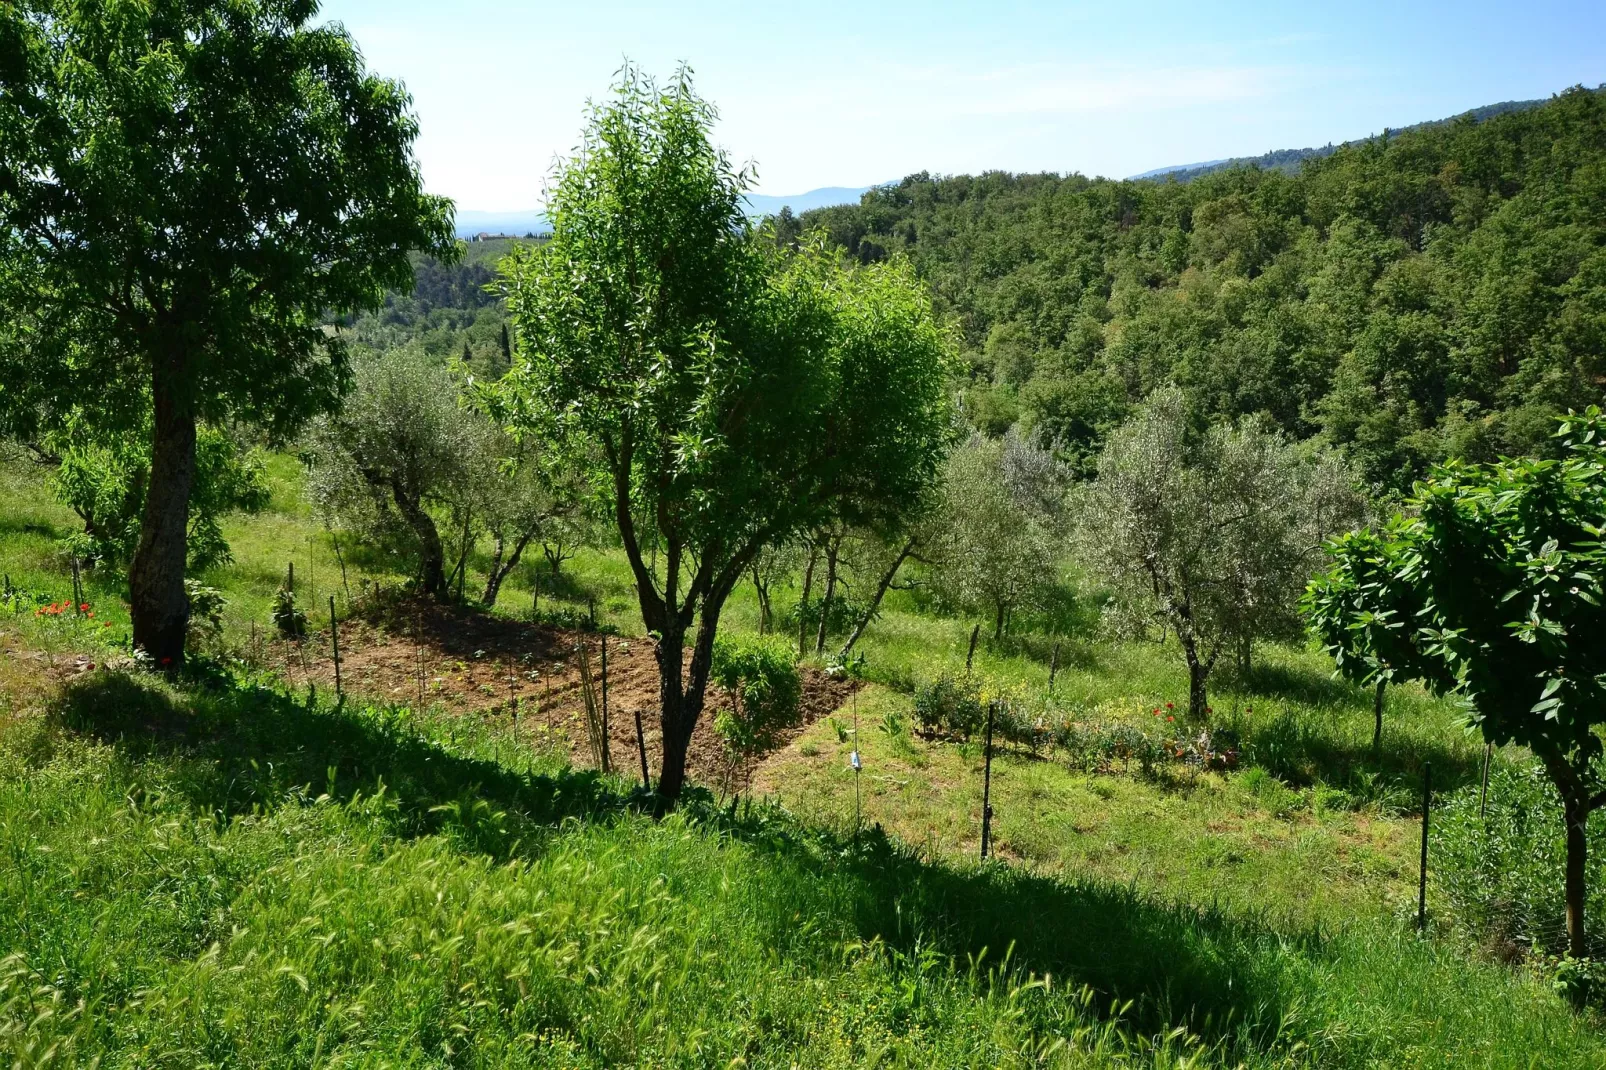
[(1290, 160), (472, 223)]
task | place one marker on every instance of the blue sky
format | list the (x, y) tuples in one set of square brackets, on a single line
[(848, 94)]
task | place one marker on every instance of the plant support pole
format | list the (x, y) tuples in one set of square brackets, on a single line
[(1053, 667), (334, 639), (1422, 880), (1483, 801), (970, 656), (641, 748), (987, 786)]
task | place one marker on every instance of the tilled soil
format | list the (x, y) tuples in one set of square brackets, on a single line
[(475, 664)]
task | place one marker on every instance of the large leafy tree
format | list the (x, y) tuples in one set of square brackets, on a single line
[(1507, 566), (187, 189), (729, 398)]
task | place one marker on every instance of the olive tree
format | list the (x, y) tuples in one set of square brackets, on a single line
[(402, 446), (722, 399), (1494, 584), (1210, 535), (187, 190), (993, 548)]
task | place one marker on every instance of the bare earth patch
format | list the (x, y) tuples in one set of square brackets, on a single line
[(478, 665)]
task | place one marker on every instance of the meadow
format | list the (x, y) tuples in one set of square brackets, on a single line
[(227, 870)]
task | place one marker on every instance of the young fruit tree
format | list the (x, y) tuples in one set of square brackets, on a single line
[(724, 400), (187, 190), (1212, 535), (1501, 571), (1368, 622)]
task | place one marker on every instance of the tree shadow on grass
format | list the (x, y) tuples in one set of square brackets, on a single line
[(236, 748), (231, 749), (1153, 965)]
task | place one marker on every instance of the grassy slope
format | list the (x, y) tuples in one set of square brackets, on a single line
[(1257, 916)]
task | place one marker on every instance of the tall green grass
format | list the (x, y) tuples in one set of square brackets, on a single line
[(219, 874)]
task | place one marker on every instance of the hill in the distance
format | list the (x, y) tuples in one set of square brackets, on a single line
[(1289, 160)]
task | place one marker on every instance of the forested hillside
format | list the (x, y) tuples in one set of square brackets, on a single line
[(1439, 293)]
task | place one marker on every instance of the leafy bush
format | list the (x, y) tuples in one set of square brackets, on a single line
[(206, 617), (1502, 872), (288, 618), (761, 676), (950, 706)]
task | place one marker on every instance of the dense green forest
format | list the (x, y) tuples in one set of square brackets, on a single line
[(1438, 293)]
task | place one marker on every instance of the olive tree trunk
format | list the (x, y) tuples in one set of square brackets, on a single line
[(157, 603), (431, 555)]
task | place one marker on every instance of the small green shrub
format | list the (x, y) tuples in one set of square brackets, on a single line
[(1502, 870), (761, 676), (205, 633), (950, 706), (289, 620)]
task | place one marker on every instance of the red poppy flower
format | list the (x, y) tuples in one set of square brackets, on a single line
[(1171, 718), (167, 661), (1169, 706), (84, 608), (105, 624)]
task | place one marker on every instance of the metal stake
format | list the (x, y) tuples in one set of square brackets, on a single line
[(641, 747), (987, 786), (334, 638)]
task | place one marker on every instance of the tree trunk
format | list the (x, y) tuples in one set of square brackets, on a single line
[(432, 558), (1577, 816), (833, 547), (500, 569), (158, 605), (803, 602), (880, 592), (762, 589), (1377, 718), (1198, 677)]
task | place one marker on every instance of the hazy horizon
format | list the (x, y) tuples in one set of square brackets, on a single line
[(853, 96)]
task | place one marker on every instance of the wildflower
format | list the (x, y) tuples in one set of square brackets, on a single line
[(84, 608), (90, 613), (105, 624), (1169, 706), (1171, 718), (167, 661), (1209, 709)]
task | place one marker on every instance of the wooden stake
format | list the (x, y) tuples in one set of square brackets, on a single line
[(607, 739), (1483, 803), (971, 655), (1053, 668), (1422, 881)]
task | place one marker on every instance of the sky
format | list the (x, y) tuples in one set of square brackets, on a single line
[(852, 94)]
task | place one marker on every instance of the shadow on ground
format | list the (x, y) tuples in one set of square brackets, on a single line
[(235, 748)]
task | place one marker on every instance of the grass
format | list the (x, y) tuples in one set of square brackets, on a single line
[(216, 873)]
